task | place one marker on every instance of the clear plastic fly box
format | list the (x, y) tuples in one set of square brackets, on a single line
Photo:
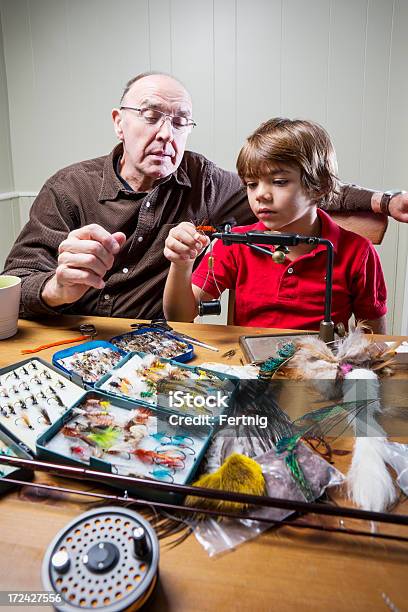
[(112, 435), (187, 391), (33, 396), (155, 341), (87, 363)]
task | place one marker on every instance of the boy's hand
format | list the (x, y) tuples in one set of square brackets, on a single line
[(184, 243)]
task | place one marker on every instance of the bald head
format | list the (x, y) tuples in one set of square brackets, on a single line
[(165, 79)]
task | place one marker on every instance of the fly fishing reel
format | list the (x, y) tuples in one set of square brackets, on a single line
[(105, 559)]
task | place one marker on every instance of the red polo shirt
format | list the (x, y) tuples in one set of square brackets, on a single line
[(291, 295)]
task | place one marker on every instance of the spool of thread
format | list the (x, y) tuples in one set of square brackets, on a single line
[(209, 308), (105, 559)]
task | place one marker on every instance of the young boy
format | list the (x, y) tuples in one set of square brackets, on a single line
[(289, 168)]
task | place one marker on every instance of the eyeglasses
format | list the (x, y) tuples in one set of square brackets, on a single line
[(152, 116)]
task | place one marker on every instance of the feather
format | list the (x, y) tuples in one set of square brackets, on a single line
[(313, 359), (345, 374), (238, 474), (361, 351), (256, 400), (369, 483), (105, 438)]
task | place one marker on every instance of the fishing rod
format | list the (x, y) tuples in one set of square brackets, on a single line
[(244, 498), (209, 512)]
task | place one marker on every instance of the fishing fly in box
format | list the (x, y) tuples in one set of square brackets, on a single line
[(33, 395), (113, 436), (88, 362), (169, 385), (155, 341)]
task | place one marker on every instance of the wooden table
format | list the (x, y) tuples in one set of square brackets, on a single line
[(281, 570)]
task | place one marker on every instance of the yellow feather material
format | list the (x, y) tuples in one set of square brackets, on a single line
[(238, 474)]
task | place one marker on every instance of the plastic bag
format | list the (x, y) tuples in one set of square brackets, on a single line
[(396, 455), (217, 537)]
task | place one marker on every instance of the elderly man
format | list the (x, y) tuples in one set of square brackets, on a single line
[(94, 242)]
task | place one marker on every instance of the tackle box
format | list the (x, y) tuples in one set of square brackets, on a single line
[(63, 360), (147, 460), (196, 396), (33, 394), (165, 339), (9, 445)]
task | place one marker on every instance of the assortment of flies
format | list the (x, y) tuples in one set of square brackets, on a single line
[(156, 342), (182, 389), (32, 397), (134, 441), (90, 361)]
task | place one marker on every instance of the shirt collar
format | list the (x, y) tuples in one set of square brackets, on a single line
[(330, 230), (112, 186)]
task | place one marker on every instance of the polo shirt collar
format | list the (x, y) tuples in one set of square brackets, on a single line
[(330, 230), (112, 186)]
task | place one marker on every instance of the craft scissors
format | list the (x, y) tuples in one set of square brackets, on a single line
[(162, 324)]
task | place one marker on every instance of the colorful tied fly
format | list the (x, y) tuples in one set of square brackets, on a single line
[(176, 441)]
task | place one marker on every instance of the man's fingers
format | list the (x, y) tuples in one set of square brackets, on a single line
[(99, 234), (85, 261), (74, 246), (120, 238), (78, 276)]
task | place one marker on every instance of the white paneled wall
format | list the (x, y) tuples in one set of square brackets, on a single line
[(340, 62), (6, 166), (9, 226)]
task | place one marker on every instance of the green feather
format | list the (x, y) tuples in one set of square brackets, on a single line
[(106, 437)]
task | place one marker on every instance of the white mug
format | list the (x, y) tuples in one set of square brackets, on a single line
[(10, 292)]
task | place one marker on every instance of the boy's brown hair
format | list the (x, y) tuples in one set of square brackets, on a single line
[(296, 142)]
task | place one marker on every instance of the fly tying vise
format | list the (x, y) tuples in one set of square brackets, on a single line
[(213, 307)]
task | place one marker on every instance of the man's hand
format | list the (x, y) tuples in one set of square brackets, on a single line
[(184, 243), (84, 258), (398, 206)]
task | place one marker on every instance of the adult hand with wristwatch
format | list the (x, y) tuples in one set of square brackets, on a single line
[(391, 203)]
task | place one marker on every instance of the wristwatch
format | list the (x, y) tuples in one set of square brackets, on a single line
[(385, 201)]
